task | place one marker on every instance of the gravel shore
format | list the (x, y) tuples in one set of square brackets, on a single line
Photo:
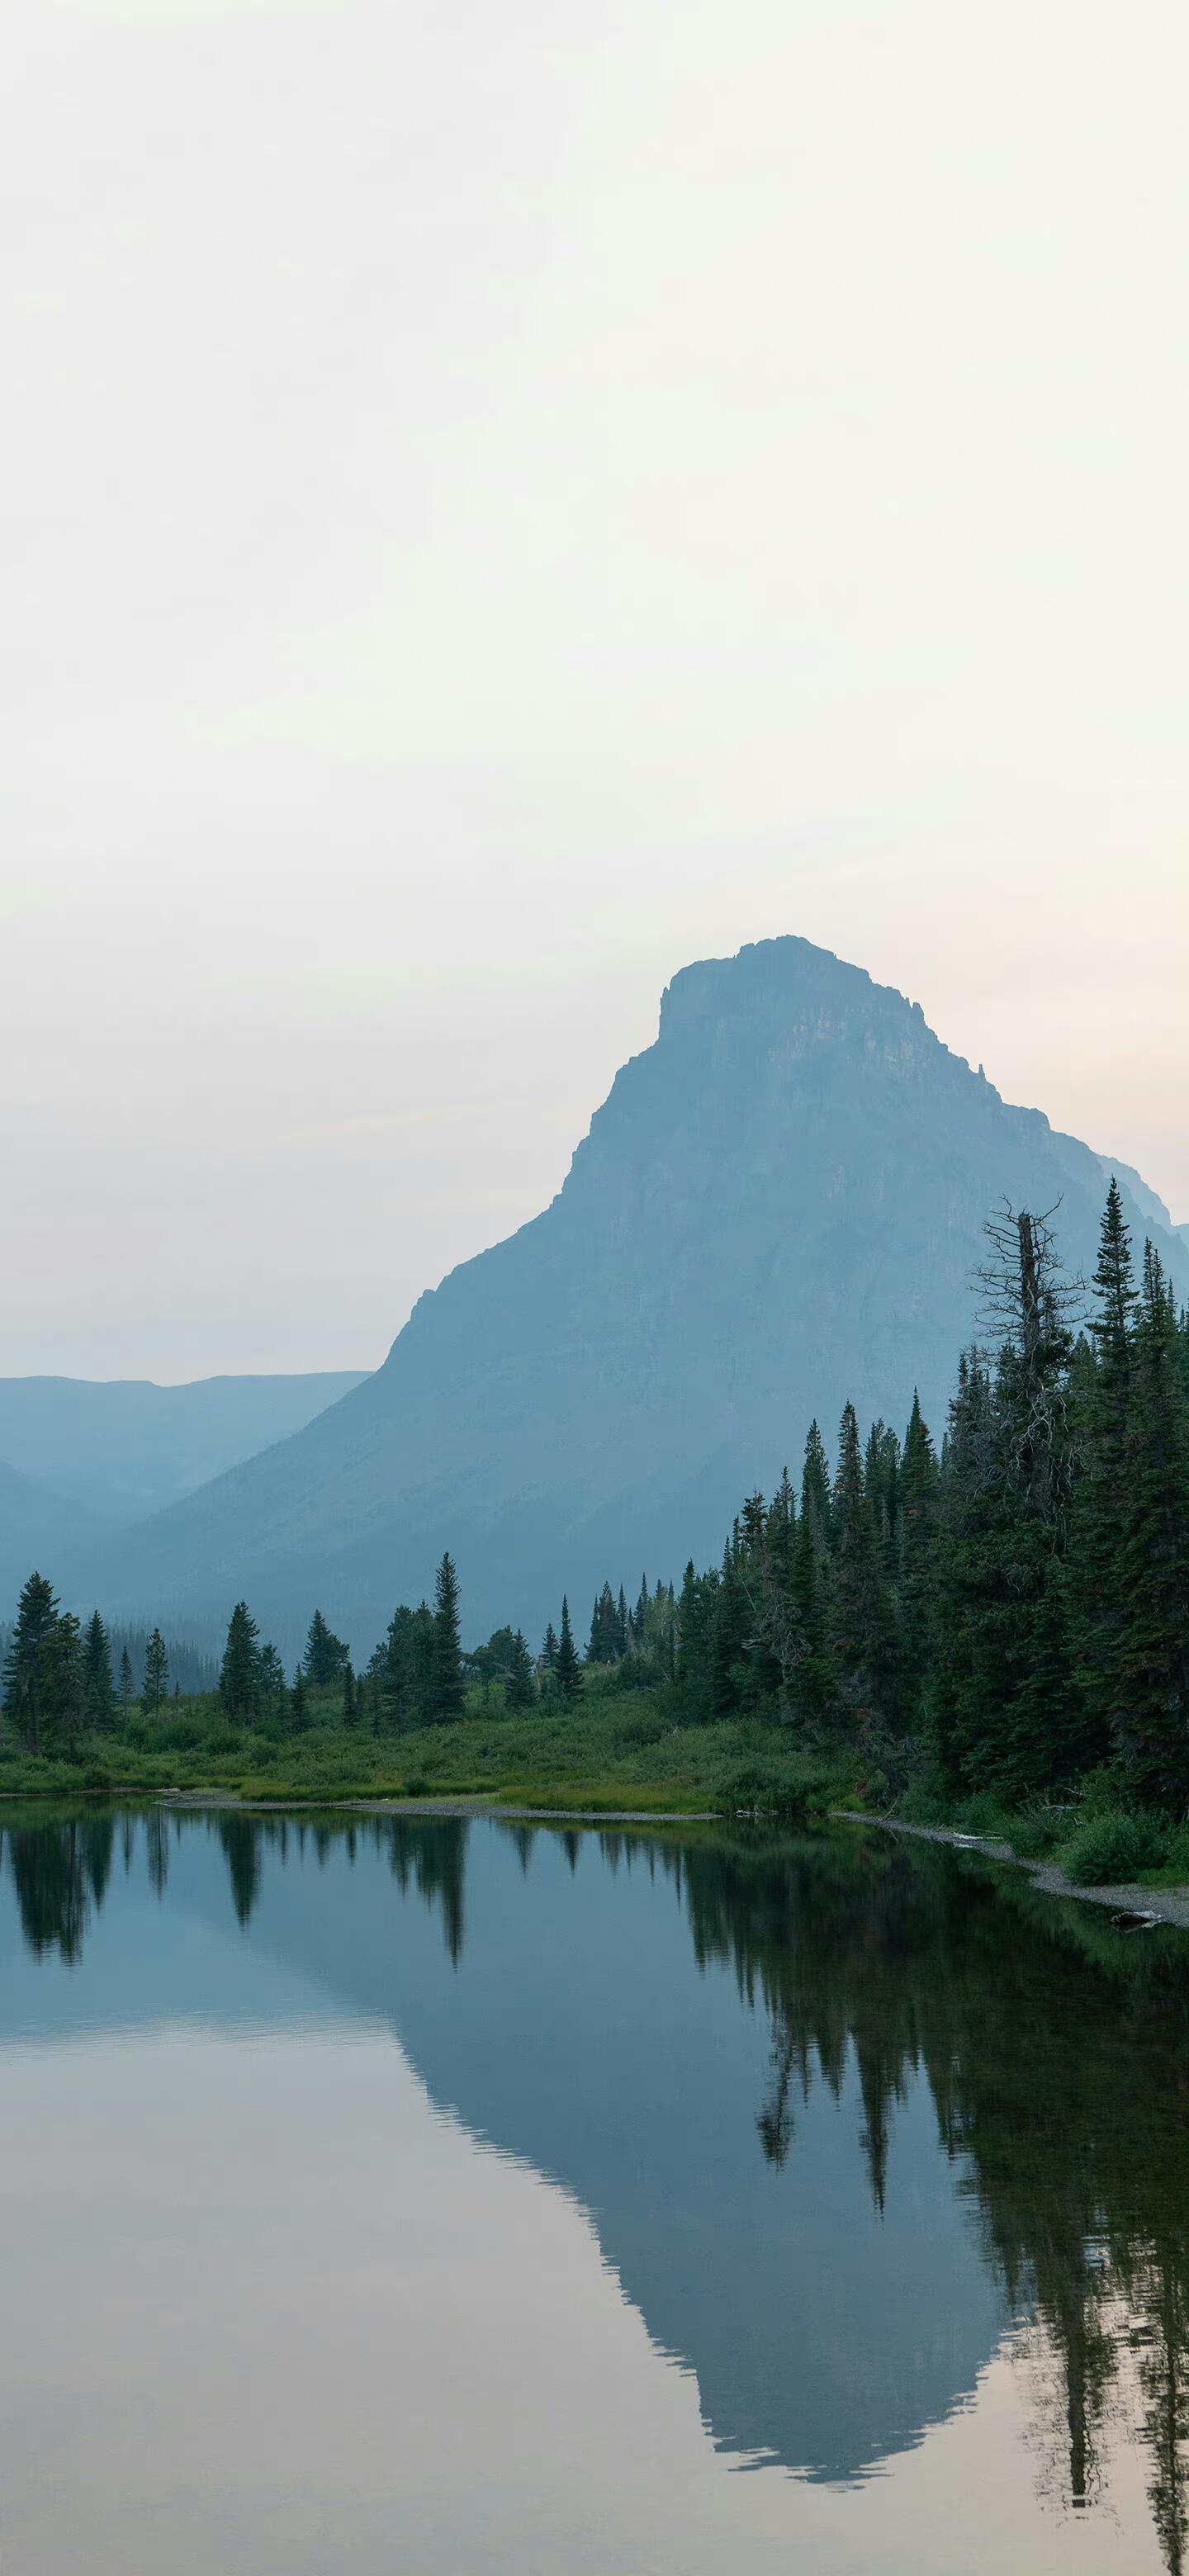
[(1164, 1904)]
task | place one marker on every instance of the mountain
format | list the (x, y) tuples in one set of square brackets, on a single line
[(778, 1206), (37, 1527), (119, 1450)]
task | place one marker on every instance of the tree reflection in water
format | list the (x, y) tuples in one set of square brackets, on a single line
[(1056, 2052)]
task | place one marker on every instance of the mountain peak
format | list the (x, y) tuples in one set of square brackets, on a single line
[(777, 1208)]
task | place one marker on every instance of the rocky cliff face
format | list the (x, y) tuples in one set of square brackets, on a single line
[(779, 1205)]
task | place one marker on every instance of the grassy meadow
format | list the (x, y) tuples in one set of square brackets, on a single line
[(611, 1749)]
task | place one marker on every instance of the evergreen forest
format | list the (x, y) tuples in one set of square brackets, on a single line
[(990, 1618)]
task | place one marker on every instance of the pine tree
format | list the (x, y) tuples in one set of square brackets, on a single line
[(422, 1662), (605, 1645), (863, 1632), (98, 1690), (757, 1639), (696, 1623), (349, 1709), (730, 1660), (549, 1649), (26, 1706), (1152, 1727), (403, 1668), (325, 1655), (638, 1623), (63, 1687), (568, 1667), (270, 1683), (815, 1486), (1104, 1385), (239, 1677), (814, 1683), (446, 1690), (522, 1680), (969, 1613), (127, 1690), (156, 1675), (916, 1542), (299, 1712)]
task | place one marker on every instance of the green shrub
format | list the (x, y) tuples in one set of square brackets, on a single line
[(1102, 1792), (1036, 1832), (762, 1788), (984, 1815), (1109, 1849)]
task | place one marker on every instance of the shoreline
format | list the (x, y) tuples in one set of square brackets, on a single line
[(1161, 1905), (443, 1806), (1167, 1905)]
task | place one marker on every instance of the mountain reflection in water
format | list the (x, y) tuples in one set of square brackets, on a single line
[(924, 2106)]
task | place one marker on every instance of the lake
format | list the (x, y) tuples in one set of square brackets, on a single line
[(454, 2195)]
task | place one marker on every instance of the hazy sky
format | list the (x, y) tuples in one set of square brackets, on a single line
[(502, 500)]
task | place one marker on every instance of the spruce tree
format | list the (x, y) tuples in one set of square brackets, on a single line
[(605, 1645), (638, 1622), (863, 1631), (325, 1655), (730, 1657), (1103, 1399), (549, 1648), (969, 1616), (1152, 1724), (447, 1692), (156, 1675), (422, 1663), (815, 1486), (813, 1679), (299, 1711), (522, 1680), (270, 1683), (916, 1541), (63, 1687), (349, 1708), (759, 1667), (26, 1682), (239, 1676), (127, 1689), (568, 1667), (394, 1672), (98, 1689), (813, 1684), (696, 1621)]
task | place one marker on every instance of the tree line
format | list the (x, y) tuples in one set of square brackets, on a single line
[(1007, 1611)]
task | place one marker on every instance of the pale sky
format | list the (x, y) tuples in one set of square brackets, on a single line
[(501, 501)]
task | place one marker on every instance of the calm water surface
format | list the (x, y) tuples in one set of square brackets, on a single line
[(387, 2195)]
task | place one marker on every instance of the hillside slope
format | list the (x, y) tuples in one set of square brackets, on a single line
[(779, 1205), (122, 1448), (38, 1530)]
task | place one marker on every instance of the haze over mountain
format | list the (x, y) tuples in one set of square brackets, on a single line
[(79, 1456), (37, 1527), (778, 1206), (121, 1448)]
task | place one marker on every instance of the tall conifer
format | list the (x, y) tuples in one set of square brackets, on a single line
[(1103, 1397), (568, 1667), (98, 1688), (156, 1674), (446, 1681), (26, 1682), (1152, 1724), (239, 1676)]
